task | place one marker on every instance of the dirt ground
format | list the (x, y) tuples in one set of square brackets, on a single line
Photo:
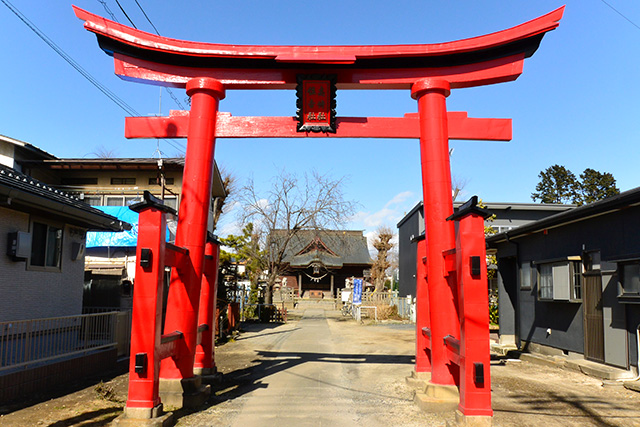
[(524, 394)]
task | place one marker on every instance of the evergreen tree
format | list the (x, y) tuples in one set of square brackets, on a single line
[(596, 186), (557, 185), (246, 249)]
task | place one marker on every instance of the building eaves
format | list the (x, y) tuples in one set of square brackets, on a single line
[(547, 207), (582, 213), (109, 163), (27, 146), (127, 164), (417, 207), (20, 189)]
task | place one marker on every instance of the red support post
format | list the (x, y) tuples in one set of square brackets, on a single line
[(438, 205), (423, 341), (205, 359), (475, 378), (144, 364), (184, 292)]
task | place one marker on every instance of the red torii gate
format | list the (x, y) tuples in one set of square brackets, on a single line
[(451, 293)]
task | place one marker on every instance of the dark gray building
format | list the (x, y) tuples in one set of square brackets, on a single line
[(571, 281), (507, 217)]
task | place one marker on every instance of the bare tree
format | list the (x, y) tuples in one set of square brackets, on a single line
[(103, 152), (230, 189), (383, 245), (457, 185), (293, 204)]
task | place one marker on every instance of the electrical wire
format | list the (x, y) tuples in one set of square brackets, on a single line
[(102, 88), (169, 91), (106, 9), (621, 14), (145, 15), (125, 14)]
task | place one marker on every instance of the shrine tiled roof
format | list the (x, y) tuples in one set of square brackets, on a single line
[(333, 248)]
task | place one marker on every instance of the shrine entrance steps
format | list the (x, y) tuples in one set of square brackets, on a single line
[(325, 303)]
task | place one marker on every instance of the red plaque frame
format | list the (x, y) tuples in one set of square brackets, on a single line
[(316, 102)]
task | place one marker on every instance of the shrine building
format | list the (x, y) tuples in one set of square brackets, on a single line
[(318, 262)]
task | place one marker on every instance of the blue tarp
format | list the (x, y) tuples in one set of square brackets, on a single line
[(110, 239)]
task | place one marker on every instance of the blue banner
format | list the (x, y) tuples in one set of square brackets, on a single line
[(357, 291)]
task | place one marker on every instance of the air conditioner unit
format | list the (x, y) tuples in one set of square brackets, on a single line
[(19, 245)]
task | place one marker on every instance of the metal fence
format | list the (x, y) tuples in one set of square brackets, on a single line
[(30, 342), (406, 307)]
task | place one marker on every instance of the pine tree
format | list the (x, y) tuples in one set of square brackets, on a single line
[(596, 186), (557, 185)]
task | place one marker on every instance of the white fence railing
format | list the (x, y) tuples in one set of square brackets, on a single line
[(29, 342)]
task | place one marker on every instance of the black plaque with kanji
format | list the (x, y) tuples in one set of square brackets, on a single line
[(316, 103)]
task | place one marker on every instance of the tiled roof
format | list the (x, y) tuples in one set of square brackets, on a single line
[(27, 190), (343, 247)]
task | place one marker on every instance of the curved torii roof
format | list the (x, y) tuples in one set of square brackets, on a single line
[(491, 58)]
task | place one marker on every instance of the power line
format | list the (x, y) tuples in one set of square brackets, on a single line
[(621, 14), (145, 15), (174, 144), (102, 88), (106, 9), (125, 14), (169, 91)]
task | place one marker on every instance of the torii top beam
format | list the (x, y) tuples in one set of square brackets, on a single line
[(488, 59)]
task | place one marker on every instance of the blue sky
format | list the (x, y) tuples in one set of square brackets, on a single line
[(576, 103)]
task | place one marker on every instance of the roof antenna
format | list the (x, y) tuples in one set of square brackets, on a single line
[(159, 152)]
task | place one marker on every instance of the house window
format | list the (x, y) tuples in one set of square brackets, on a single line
[(46, 245), (172, 202), (525, 275), (156, 181), (93, 200), (545, 283), (78, 181), (576, 281), (123, 181), (629, 278), (122, 200), (560, 280)]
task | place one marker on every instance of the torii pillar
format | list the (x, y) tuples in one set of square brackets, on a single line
[(438, 205), (178, 384)]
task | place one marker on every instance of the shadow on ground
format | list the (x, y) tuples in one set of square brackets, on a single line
[(100, 417), (242, 381)]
